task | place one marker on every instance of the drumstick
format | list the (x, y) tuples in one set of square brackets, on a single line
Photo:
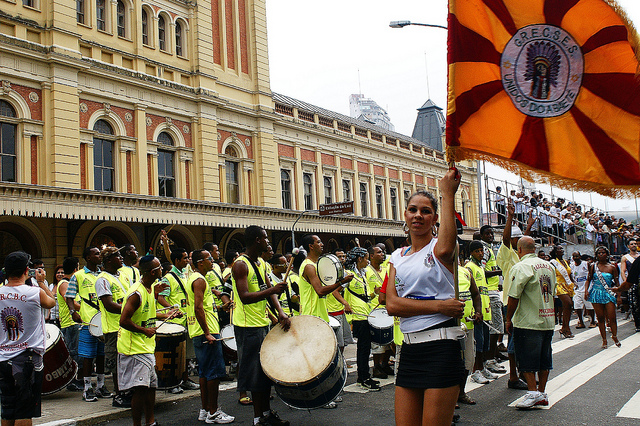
[(225, 338), (167, 319), (168, 307), (294, 252), (357, 241), (92, 325)]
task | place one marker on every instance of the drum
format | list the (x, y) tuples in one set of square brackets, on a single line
[(59, 369), (381, 327), (95, 325), (171, 354), (330, 269), (229, 346), (304, 363)]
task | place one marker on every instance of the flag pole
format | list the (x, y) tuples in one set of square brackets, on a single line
[(456, 250)]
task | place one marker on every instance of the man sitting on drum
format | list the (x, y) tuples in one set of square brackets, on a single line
[(137, 341), (253, 290)]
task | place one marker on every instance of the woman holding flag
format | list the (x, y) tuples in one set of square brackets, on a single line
[(431, 367)]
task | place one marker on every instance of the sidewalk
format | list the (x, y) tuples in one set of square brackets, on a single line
[(67, 408)]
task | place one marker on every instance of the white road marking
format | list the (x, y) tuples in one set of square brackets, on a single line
[(578, 375), (632, 408)]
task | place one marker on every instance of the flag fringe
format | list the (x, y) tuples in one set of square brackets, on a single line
[(534, 175), (634, 40)]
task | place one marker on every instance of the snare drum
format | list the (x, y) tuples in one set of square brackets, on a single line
[(229, 346), (381, 327), (171, 354), (304, 363), (330, 269), (59, 369), (95, 325)]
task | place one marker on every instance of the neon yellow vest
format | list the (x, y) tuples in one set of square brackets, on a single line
[(491, 265), (111, 322), (87, 291), (374, 280), (358, 287), (214, 280), (63, 309), (254, 314), (310, 302), (176, 297), (129, 342), (481, 283), (129, 275), (464, 286), (210, 312)]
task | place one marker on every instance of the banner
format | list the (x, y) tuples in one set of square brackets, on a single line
[(547, 89)]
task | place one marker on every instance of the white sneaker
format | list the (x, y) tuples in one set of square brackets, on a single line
[(544, 402), (477, 377), (530, 400), (488, 374), (202, 416), (494, 367), (330, 405), (219, 417), (338, 399)]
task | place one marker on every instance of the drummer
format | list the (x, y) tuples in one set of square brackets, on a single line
[(215, 280), (83, 283), (252, 291), (375, 274), (204, 329), (289, 301), (129, 273), (358, 295), (176, 294), (137, 342), (312, 292), (111, 291), (69, 328)]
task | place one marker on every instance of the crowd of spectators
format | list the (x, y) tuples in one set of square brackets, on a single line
[(563, 221)]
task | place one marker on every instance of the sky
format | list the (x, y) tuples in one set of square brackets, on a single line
[(322, 52)]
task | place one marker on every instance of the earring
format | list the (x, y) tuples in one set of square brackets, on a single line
[(405, 228), (434, 231)]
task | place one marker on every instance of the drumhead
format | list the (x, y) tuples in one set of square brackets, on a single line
[(95, 325), (227, 331), (170, 329), (300, 354), (379, 318), (334, 323), (329, 268), (52, 334)]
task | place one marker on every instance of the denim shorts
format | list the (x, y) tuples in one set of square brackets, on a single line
[(533, 349), (481, 334), (210, 358)]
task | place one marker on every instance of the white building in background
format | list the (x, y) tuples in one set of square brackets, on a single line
[(367, 109)]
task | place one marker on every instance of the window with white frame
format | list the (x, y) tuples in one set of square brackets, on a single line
[(328, 190), (121, 19), (162, 33), (103, 156), (8, 131), (364, 204), (166, 171), (285, 182), (379, 201), (346, 190), (101, 15), (307, 183), (80, 11), (393, 194), (232, 167), (145, 27), (179, 39)]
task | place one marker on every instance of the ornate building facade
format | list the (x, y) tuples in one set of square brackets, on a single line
[(121, 118)]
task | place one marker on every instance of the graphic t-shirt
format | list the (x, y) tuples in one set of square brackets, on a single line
[(533, 283)]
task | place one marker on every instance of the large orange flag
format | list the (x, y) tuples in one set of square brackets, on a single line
[(547, 89)]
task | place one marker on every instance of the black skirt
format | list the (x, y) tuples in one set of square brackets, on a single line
[(431, 365)]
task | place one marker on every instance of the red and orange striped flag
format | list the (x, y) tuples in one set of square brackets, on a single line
[(547, 89)]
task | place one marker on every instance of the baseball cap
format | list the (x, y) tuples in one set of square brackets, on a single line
[(516, 232), (16, 262)]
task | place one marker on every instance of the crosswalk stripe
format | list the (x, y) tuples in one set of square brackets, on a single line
[(578, 375), (632, 408)]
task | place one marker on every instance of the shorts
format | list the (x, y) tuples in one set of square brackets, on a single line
[(111, 352), (137, 370), (250, 374), (210, 359), (377, 349), (533, 349), (430, 365), (481, 334), (89, 346), (496, 312), (21, 386), (469, 350), (580, 302), (191, 352), (511, 348), (70, 335), (343, 334)]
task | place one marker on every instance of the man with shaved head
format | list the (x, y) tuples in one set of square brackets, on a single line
[(530, 318)]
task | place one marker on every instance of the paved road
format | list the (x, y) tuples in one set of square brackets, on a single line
[(588, 386)]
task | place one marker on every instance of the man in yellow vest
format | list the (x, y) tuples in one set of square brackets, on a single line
[(111, 292), (204, 329), (83, 283), (493, 273), (129, 273), (375, 273), (69, 328), (137, 341), (252, 291), (176, 294)]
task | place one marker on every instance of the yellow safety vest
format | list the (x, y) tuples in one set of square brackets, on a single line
[(210, 313), (110, 321), (254, 314), (129, 342), (310, 302)]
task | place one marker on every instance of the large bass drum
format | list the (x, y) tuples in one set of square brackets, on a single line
[(59, 369), (171, 353), (305, 364), (330, 269)]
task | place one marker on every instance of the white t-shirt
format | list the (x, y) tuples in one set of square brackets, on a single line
[(22, 321), (580, 273), (422, 276), (590, 230)]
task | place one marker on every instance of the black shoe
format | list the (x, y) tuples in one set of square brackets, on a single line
[(273, 419), (75, 386), (501, 357), (103, 392), (120, 401), (456, 417), (518, 384), (89, 395), (378, 373), (370, 385)]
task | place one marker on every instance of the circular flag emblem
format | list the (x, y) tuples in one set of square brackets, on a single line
[(541, 70)]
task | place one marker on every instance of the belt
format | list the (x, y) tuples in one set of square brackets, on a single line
[(446, 333)]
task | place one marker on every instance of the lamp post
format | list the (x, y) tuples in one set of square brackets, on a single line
[(402, 24)]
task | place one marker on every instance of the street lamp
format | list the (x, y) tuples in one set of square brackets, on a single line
[(402, 24)]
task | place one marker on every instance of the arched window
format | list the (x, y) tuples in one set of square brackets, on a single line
[(394, 203), (346, 190), (166, 173), (307, 183), (379, 201), (162, 27), (103, 163), (178, 38), (328, 190), (232, 175), (101, 15), (7, 143), (285, 181), (364, 205), (145, 27), (122, 24)]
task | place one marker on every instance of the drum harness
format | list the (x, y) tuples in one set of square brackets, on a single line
[(261, 284), (181, 285), (364, 297)]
